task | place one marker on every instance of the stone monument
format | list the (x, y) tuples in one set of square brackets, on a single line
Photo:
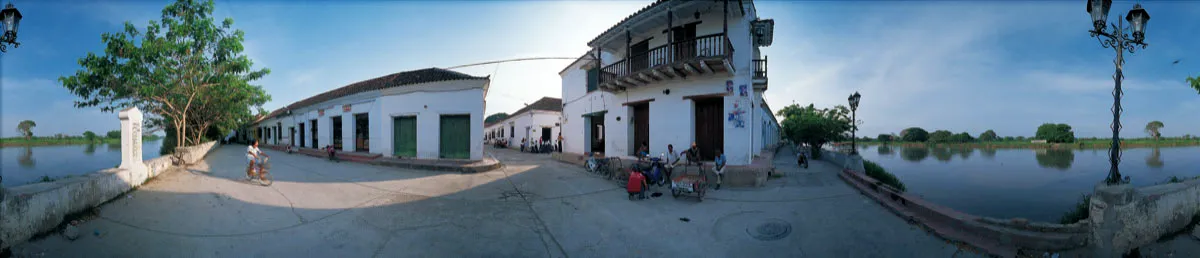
[(131, 140)]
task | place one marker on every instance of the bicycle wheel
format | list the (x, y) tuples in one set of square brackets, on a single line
[(265, 179)]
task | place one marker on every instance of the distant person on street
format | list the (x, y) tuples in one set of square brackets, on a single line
[(560, 140), (332, 153), (719, 168), (637, 185), (672, 159)]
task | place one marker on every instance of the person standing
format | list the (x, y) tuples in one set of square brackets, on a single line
[(672, 160), (560, 140), (719, 168)]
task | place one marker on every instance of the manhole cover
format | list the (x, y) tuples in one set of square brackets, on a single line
[(772, 229)]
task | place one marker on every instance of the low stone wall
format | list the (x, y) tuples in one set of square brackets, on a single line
[(196, 153), (1125, 218), (31, 209), (995, 236), (843, 160)]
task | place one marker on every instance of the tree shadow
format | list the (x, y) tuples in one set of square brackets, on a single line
[(1154, 159), (885, 150), (914, 154), (988, 153), (25, 157), (963, 153), (942, 154), (89, 149), (1055, 158)]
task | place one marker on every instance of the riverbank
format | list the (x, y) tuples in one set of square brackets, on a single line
[(13, 142), (1081, 144)]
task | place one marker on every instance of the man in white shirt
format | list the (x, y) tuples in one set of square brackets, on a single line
[(252, 155), (672, 160)]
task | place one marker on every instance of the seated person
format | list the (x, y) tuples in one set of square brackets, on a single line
[(643, 151), (332, 153), (636, 185), (719, 168)]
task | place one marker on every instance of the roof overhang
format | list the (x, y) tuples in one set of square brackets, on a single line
[(648, 18)]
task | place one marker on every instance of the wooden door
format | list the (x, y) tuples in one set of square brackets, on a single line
[(710, 131), (638, 57), (684, 38), (404, 136), (641, 126), (302, 135), (312, 124), (455, 137)]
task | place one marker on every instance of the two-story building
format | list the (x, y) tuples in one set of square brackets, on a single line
[(539, 121), (674, 72), (429, 113)]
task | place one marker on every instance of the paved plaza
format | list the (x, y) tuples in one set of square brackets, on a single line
[(532, 207)]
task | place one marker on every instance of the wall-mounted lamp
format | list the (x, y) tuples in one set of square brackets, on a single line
[(667, 92)]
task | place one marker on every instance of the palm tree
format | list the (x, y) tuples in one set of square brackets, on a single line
[(26, 128), (1153, 127)]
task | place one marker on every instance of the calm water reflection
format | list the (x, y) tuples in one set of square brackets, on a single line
[(33, 162), (1038, 184)]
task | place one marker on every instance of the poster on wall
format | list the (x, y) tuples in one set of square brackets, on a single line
[(736, 116), (729, 87), (742, 90)]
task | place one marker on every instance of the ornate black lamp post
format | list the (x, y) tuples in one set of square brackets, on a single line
[(11, 19), (854, 122), (1121, 39)]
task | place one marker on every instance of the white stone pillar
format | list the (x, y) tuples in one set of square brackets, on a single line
[(131, 139)]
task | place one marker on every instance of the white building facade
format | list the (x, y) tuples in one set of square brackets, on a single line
[(428, 114), (540, 121), (675, 72)]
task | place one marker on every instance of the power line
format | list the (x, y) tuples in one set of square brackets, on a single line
[(514, 60)]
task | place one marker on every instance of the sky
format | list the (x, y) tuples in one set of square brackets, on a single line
[(962, 66)]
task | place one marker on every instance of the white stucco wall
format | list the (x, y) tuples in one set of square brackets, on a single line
[(427, 101), (535, 121)]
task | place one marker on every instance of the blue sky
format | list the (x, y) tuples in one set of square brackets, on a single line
[(959, 66)]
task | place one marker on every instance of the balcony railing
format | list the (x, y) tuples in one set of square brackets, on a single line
[(710, 47), (760, 68)]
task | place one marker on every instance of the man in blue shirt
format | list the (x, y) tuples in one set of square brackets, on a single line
[(719, 168)]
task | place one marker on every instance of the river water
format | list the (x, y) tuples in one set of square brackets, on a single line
[(28, 164), (1036, 184)]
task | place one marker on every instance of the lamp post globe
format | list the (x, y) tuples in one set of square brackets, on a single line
[(10, 17), (1099, 11), (1138, 18)]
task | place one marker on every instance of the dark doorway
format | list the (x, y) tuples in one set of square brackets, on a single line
[(597, 125), (337, 132), (278, 133), (361, 133), (546, 134), (710, 131), (641, 126), (638, 57), (313, 126), (684, 38), (292, 136), (302, 135)]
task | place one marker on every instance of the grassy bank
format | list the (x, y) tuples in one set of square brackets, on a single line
[(42, 141), (1081, 144), (877, 172)]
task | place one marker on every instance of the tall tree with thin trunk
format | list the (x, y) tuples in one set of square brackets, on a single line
[(187, 71), (26, 128), (1153, 129)]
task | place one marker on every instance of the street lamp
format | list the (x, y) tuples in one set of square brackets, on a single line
[(1121, 39), (854, 122), (11, 19)]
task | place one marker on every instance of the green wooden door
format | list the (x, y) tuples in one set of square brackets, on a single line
[(404, 136), (455, 137)]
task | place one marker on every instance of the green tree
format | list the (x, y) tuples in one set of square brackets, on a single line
[(940, 136), (26, 128), (962, 137), (1195, 82), (114, 134), (884, 137), (184, 69), (914, 134), (814, 126), (1020, 138), (497, 117), (1153, 128), (988, 136), (1055, 133), (90, 136)]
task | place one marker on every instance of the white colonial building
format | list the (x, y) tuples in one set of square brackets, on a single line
[(429, 114), (539, 121), (675, 72)]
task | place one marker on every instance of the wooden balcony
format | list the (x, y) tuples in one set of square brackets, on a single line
[(711, 54), (760, 73)]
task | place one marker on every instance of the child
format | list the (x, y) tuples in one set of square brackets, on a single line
[(332, 154), (636, 185)]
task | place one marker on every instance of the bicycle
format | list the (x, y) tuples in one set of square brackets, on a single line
[(262, 172), (614, 166)]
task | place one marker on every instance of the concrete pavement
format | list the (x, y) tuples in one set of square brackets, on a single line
[(532, 207)]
